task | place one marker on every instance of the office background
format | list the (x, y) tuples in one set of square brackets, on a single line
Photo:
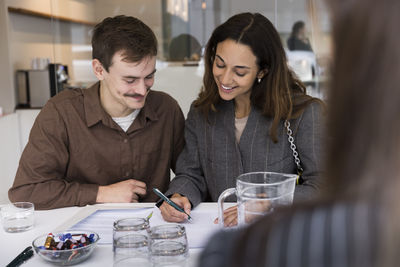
[(59, 32)]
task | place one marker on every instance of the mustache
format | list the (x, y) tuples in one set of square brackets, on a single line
[(137, 95), (134, 95)]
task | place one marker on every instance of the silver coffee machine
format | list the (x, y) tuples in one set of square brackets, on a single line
[(35, 87)]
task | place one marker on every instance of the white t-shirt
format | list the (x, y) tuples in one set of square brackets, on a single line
[(126, 122), (239, 127)]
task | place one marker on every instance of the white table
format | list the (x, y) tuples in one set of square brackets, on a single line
[(51, 220)]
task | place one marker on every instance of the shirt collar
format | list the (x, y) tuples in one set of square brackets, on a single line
[(94, 112), (147, 113), (148, 110)]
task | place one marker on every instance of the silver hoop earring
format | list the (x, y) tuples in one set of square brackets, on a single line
[(259, 80)]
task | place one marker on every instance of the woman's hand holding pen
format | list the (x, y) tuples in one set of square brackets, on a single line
[(123, 192), (170, 214)]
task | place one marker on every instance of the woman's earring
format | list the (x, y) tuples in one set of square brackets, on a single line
[(259, 80)]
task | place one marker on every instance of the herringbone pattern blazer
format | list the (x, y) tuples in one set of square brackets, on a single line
[(212, 159)]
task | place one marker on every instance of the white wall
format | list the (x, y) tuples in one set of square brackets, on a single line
[(182, 83), (14, 133), (9, 153), (26, 118), (7, 93)]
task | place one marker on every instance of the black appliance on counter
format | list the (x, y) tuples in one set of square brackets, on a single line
[(35, 87), (58, 75)]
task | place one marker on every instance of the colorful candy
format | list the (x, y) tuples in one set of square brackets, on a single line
[(66, 248), (49, 241), (67, 241)]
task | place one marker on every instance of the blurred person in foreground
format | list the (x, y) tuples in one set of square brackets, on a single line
[(357, 221), (111, 142), (239, 122)]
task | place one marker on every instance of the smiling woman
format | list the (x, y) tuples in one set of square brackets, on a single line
[(248, 93), (235, 75)]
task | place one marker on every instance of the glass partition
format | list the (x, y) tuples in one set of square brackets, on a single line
[(53, 37), (305, 32)]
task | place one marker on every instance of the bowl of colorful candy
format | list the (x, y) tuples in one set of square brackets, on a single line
[(66, 248)]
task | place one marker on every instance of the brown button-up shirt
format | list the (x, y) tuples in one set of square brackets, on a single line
[(75, 146)]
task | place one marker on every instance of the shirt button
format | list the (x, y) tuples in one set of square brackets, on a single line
[(125, 140)]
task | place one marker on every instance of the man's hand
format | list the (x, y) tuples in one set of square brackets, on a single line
[(230, 217), (125, 191), (172, 215)]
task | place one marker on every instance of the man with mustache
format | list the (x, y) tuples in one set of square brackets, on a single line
[(111, 142)]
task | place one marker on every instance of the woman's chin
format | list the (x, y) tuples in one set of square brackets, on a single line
[(226, 95)]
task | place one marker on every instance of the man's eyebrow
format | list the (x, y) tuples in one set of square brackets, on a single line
[(134, 77), (154, 71)]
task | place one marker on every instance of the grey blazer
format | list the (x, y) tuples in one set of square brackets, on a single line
[(212, 159)]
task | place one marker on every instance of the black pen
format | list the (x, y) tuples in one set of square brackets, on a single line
[(170, 202), (22, 257)]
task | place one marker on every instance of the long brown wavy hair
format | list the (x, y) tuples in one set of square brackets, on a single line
[(280, 94), (364, 108)]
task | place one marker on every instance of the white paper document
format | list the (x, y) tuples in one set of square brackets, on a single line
[(198, 231)]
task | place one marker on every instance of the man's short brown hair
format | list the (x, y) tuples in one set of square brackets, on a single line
[(122, 33)]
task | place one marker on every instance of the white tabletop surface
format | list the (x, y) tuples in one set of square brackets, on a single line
[(57, 219)]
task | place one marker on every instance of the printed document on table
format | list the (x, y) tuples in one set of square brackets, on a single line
[(198, 231)]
